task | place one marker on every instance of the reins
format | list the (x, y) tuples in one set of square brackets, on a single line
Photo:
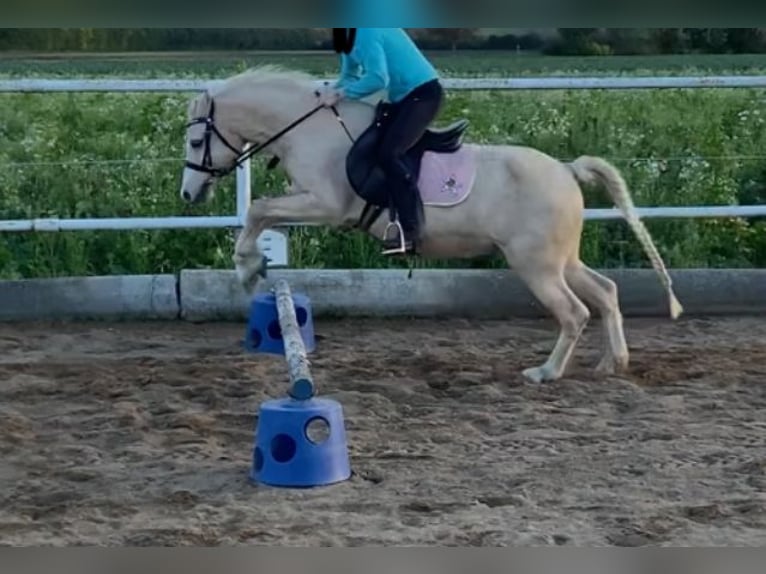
[(210, 128), (369, 214)]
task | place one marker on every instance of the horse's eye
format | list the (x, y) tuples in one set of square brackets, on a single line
[(196, 143)]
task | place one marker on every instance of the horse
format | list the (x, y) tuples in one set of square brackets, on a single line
[(515, 200)]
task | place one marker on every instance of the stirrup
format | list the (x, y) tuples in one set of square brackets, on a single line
[(402, 248)]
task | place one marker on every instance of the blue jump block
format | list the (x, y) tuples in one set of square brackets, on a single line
[(263, 332), (300, 444)]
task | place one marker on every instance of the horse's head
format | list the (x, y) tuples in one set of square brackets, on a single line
[(265, 107), (212, 149)]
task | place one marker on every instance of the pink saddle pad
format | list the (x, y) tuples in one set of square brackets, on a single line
[(446, 179)]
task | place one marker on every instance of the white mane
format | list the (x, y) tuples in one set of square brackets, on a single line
[(280, 95), (270, 76)]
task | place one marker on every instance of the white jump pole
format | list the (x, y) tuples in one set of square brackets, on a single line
[(301, 382)]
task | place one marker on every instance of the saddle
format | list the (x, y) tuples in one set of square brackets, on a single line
[(368, 180)]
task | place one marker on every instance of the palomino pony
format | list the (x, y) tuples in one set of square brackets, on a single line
[(515, 199)]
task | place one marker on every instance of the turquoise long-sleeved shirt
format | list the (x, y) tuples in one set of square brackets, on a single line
[(383, 58)]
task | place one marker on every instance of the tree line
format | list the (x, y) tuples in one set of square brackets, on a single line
[(561, 41), (629, 41)]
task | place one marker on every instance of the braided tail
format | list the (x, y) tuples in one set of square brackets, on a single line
[(588, 169)]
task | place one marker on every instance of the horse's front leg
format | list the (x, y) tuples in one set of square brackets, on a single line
[(296, 207)]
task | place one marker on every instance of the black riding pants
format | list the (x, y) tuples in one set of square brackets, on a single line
[(409, 118)]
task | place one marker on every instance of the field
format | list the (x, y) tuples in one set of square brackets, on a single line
[(101, 155), (139, 434)]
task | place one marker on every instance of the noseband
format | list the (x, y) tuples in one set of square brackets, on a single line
[(207, 160), (210, 129)]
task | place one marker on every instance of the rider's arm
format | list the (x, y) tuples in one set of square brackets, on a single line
[(347, 72), (373, 61)]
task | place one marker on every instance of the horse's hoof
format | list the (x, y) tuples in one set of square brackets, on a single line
[(539, 374), (249, 282), (263, 268), (249, 272), (610, 365)]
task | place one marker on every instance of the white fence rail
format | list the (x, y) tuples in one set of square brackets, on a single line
[(553, 83), (275, 243)]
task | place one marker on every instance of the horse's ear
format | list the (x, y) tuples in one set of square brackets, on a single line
[(200, 105)]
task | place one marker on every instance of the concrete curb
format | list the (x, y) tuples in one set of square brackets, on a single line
[(209, 295), (111, 297), (216, 295)]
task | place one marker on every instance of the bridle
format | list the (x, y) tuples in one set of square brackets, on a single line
[(210, 128), (369, 214)]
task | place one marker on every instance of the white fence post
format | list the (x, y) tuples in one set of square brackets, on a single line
[(244, 189)]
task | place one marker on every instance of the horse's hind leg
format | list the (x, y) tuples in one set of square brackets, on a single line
[(601, 293), (548, 285)]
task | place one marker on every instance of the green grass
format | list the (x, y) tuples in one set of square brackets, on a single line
[(53, 149)]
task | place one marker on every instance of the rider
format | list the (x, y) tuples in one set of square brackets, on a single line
[(373, 59)]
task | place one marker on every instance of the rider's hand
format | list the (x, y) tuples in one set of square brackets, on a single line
[(329, 96)]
